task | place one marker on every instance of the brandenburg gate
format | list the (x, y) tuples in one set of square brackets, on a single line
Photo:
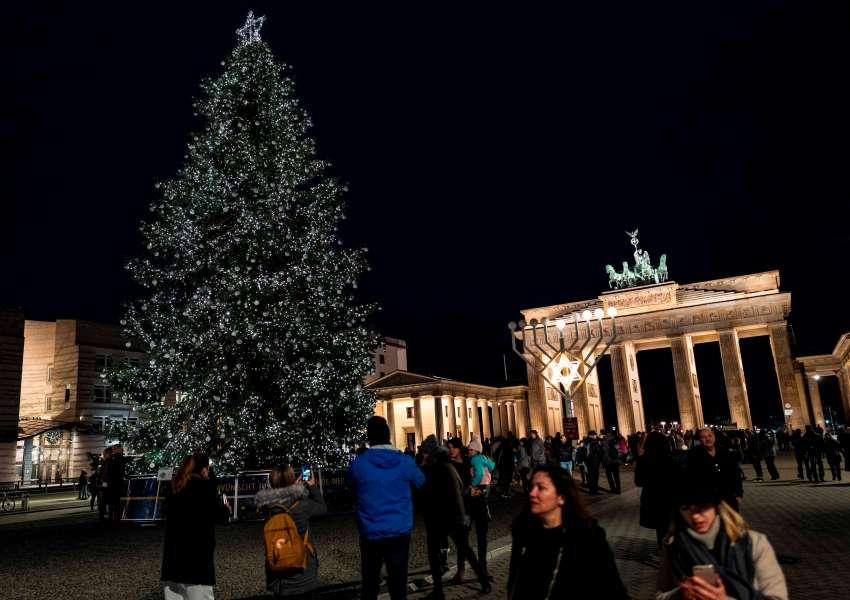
[(658, 314)]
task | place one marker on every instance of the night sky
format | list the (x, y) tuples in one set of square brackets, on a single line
[(495, 158)]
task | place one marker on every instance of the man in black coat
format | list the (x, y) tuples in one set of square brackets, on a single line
[(813, 442), (717, 467), (844, 440)]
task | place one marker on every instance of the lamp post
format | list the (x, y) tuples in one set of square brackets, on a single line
[(560, 363)]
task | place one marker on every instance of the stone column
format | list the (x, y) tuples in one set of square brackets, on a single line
[(687, 384), (497, 419), (536, 400), (503, 416), (817, 405), (521, 413), (389, 411), (452, 416), (733, 375), (627, 389), (464, 419), (417, 419), (439, 427), (844, 385), (785, 372), (802, 393), (512, 417), (485, 417), (476, 419)]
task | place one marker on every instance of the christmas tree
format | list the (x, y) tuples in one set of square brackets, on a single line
[(248, 311)]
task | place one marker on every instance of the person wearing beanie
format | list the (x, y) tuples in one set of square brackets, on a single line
[(381, 479), (707, 531), (481, 469)]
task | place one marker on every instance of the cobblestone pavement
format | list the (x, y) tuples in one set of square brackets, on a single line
[(809, 525)]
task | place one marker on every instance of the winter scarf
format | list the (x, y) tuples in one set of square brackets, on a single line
[(732, 562)]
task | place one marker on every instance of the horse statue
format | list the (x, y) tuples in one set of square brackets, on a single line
[(614, 278), (628, 276)]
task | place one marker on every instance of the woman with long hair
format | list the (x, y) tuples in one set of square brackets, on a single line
[(188, 554), (558, 550), (303, 501), (734, 561)]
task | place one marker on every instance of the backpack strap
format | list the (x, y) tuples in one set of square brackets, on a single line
[(310, 548)]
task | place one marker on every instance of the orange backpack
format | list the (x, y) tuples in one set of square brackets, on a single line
[(285, 550)]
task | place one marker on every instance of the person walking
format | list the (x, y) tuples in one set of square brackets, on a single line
[(557, 549), (832, 450), (103, 483), (506, 459), (93, 486), (716, 467), (813, 442), (844, 441), (656, 475), (82, 486), (611, 462), (565, 455), (462, 477), (538, 450), (302, 501), (581, 461), (799, 447), (524, 464), (481, 469), (707, 531), (593, 460), (754, 454), (188, 553), (381, 479), (767, 443)]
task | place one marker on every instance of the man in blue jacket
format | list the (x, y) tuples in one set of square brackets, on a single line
[(381, 478)]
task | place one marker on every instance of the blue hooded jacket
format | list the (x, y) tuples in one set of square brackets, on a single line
[(381, 478)]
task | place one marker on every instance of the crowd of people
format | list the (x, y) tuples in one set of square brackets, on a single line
[(106, 484), (691, 496)]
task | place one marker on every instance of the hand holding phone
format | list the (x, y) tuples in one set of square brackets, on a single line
[(706, 573)]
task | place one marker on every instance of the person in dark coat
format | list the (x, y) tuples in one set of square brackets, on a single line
[(767, 443), (303, 501), (103, 483), (593, 460), (188, 565), (655, 474), (611, 462), (117, 482), (844, 441), (717, 467), (754, 454), (82, 486), (799, 447), (813, 442), (558, 550), (832, 450)]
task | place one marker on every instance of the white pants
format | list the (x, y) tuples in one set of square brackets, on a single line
[(184, 591)]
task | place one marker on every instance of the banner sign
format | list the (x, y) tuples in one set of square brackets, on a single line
[(571, 428)]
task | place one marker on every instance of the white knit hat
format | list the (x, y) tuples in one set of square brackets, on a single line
[(475, 444)]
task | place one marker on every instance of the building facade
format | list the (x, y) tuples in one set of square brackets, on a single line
[(811, 369), (65, 400), (416, 406), (390, 356)]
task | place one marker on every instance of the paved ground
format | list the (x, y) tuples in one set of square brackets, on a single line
[(808, 525), (71, 556)]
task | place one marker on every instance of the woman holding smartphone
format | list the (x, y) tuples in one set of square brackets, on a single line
[(303, 501), (711, 553)]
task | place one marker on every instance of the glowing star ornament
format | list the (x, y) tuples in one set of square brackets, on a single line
[(564, 370), (250, 31)]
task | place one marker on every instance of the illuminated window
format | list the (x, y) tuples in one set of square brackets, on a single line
[(49, 373)]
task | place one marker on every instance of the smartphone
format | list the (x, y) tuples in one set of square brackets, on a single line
[(706, 573), (306, 473)]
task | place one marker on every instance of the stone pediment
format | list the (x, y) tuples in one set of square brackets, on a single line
[(397, 378)]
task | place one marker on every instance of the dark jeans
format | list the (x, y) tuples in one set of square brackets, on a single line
[(757, 467), (526, 482), (479, 513), (835, 467), (374, 553), (612, 472), (506, 476), (593, 478), (770, 463), (814, 466), (101, 504)]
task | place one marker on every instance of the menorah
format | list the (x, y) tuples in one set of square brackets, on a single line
[(555, 363)]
